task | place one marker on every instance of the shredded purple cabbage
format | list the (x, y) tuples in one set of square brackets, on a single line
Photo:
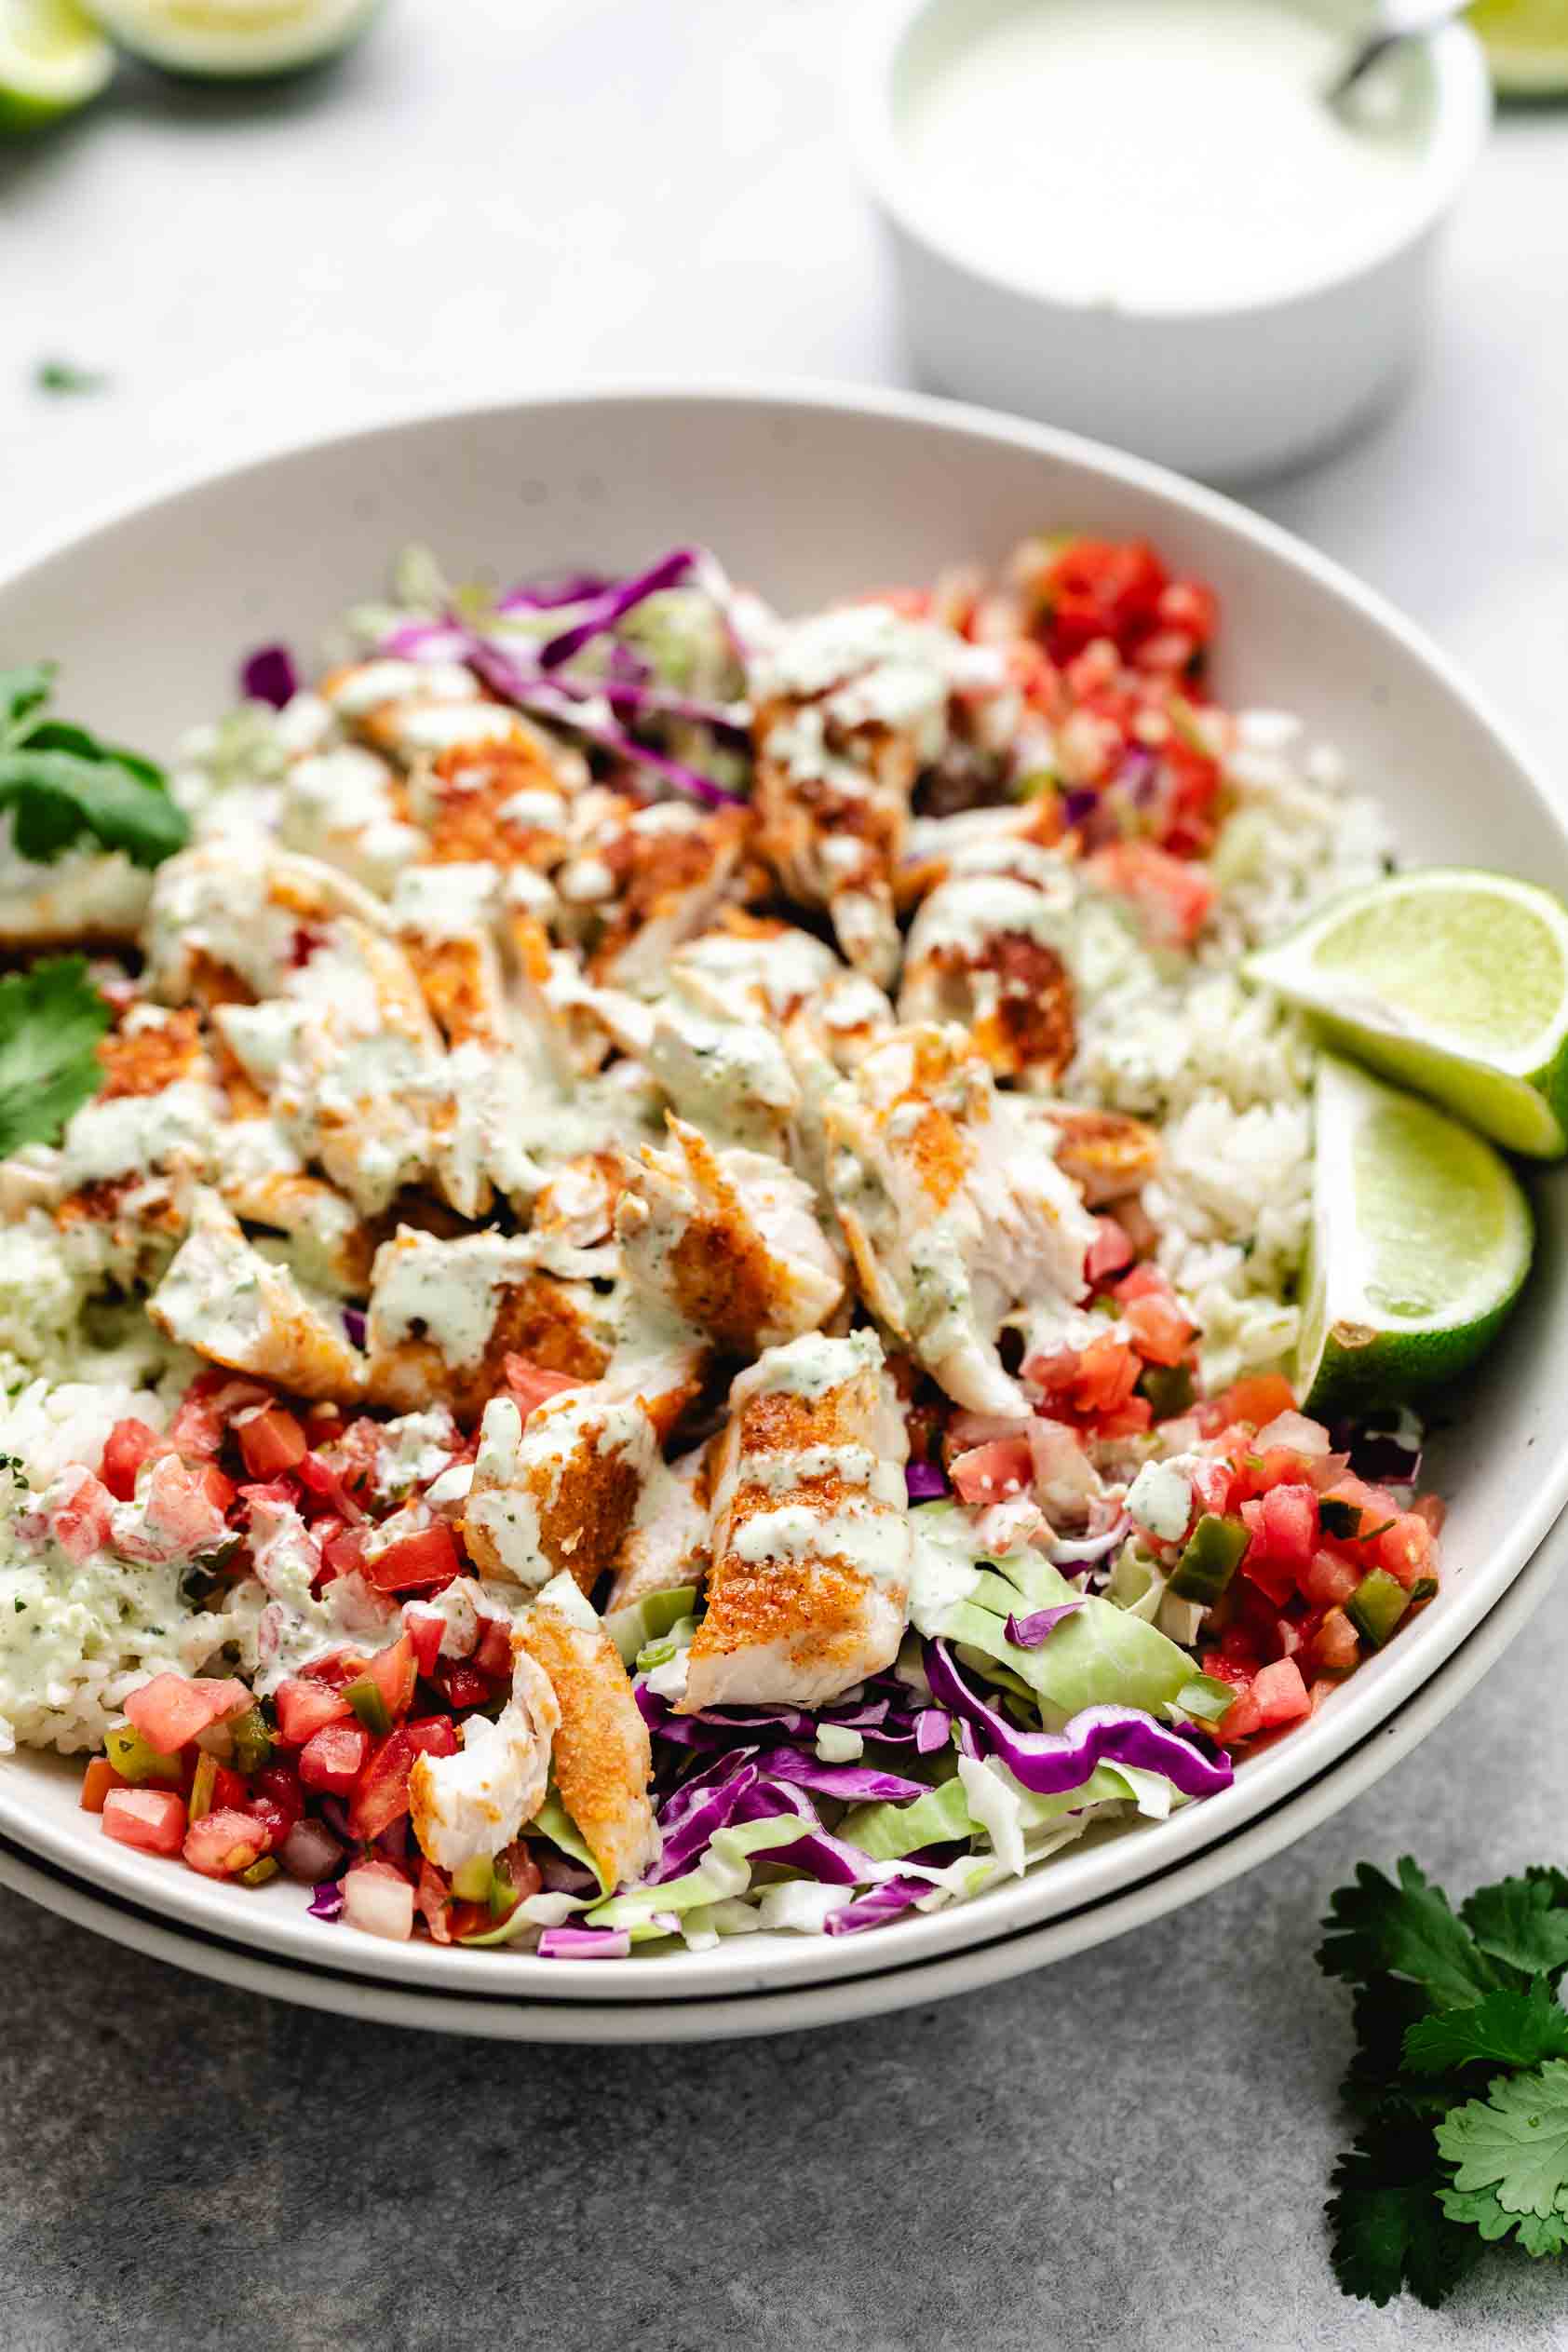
[(269, 675), (925, 1481), (874, 1909), (547, 596), (1050, 1763), (856, 1783), (354, 1324), (326, 1901), (1028, 1633), (1075, 806), (584, 1944), (612, 603), (933, 1729)]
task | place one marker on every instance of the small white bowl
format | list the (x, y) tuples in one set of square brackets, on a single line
[(1228, 390)]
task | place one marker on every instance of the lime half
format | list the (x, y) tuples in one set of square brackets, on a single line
[(1526, 43), (230, 40), (52, 60), (1421, 1242), (1449, 980)]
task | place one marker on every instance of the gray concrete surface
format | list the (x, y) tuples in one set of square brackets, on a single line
[(1128, 2151)]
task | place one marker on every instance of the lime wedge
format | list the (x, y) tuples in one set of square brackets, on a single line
[(1421, 1242), (51, 61), (1526, 43), (1451, 981), (233, 40)]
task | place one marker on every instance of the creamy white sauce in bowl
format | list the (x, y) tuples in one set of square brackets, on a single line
[(1158, 154)]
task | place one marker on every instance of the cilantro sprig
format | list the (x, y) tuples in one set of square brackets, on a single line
[(51, 1019), (61, 784), (1460, 2077)]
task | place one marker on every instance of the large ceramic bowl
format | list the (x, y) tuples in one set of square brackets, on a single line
[(810, 494)]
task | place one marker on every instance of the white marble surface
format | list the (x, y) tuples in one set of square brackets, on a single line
[(1130, 2151)]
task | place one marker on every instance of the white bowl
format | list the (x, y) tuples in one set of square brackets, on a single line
[(1228, 391), (810, 494)]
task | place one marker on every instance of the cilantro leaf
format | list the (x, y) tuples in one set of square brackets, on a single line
[(1388, 2229), (1407, 1930), (51, 1019), (1522, 1921), (59, 782), (63, 375), (1502, 2029), (1514, 2140), (1481, 2210)]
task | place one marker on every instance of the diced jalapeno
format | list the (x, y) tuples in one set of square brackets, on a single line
[(364, 1695), (470, 1880), (252, 1741), (259, 1872), (1169, 1388), (1215, 1551), (135, 1759), (202, 1785), (1376, 1607), (1205, 1698)]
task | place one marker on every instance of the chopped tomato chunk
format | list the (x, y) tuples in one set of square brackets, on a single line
[(1328, 1581), (493, 1651), (989, 1473), (153, 1819), (1335, 1647), (1160, 1332), (394, 1672), (425, 1630), (79, 1514), (1101, 589), (128, 1444), (225, 1841), (1108, 1253), (382, 1796), (170, 1709), (433, 1735), (1260, 1398), (422, 1561), (531, 1384), (332, 1758), (304, 1705), (270, 1440), (1279, 1693), (1172, 896)]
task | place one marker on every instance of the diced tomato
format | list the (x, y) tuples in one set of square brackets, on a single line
[(1328, 1581), (1335, 1646), (1108, 1253), (433, 1735), (79, 1514), (1172, 896), (1241, 1720), (1268, 1575), (422, 1562), (1259, 1399), (519, 1866), (469, 1919), (178, 1509), (127, 1445), (97, 1781), (1160, 1332), (1129, 1420), (531, 1384), (271, 1441), (393, 1671), (1406, 1548), (225, 1841), (493, 1651), (1433, 1509), (204, 1412), (1213, 1482), (152, 1819), (1279, 1693), (332, 1758), (342, 1552), (1100, 587), (382, 1795), (425, 1630), (462, 1685), (1192, 606), (433, 1898), (171, 1709), (228, 1789), (1288, 1529), (304, 1705), (989, 1473), (324, 1488), (1143, 1282)]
